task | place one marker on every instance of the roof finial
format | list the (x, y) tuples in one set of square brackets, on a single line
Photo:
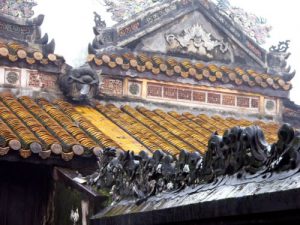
[(282, 47), (99, 22)]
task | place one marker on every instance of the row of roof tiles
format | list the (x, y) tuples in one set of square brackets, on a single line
[(44, 128), (187, 69), (15, 52)]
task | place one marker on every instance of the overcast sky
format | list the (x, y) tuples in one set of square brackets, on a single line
[(70, 23)]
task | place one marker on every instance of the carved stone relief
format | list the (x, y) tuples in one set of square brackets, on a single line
[(195, 40)]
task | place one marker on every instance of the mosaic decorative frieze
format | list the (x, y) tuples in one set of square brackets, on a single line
[(160, 91), (254, 49), (157, 15), (41, 80), (253, 34), (124, 9), (12, 77), (254, 26), (129, 29), (184, 94), (254, 103), (15, 30), (214, 98), (111, 87), (243, 102), (154, 90), (17, 8), (196, 40), (228, 100), (170, 92), (199, 96)]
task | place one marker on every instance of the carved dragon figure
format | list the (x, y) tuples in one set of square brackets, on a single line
[(79, 84), (195, 39), (277, 60)]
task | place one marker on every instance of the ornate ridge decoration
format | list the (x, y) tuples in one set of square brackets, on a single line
[(124, 9), (254, 26), (195, 39), (240, 154), (277, 60), (282, 47), (99, 23), (20, 8)]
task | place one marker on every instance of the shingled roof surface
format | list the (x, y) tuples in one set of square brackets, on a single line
[(185, 68), (59, 128)]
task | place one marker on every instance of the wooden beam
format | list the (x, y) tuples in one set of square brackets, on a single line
[(67, 176)]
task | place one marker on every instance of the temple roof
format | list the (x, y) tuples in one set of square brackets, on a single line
[(201, 30), (40, 127)]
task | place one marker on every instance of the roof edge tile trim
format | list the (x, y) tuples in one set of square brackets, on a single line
[(239, 155), (186, 69)]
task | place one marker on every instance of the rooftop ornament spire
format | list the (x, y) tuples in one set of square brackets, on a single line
[(17, 8), (256, 27)]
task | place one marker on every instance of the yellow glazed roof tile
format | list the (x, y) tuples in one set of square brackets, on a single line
[(105, 125)]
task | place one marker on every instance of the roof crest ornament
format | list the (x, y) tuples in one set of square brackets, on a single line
[(254, 26), (277, 60), (240, 155), (282, 47), (124, 9), (19, 9), (99, 23)]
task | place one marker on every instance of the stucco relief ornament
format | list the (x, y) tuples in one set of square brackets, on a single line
[(17, 8), (196, 40), (254, 26)]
